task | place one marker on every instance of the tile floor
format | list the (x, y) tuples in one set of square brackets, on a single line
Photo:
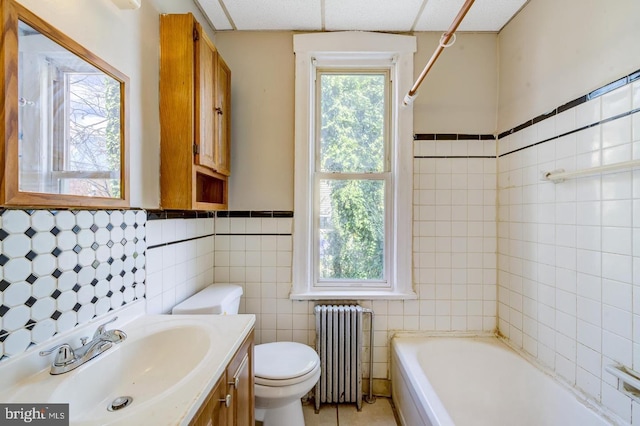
[(380, 413)]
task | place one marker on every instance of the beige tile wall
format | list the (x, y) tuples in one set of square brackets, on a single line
[(569, 253)]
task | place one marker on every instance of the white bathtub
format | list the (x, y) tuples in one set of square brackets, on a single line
[(477, 381)]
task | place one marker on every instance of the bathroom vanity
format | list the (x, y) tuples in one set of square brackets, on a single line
[(174, 369)]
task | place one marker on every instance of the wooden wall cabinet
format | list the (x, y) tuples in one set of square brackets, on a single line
[(195, 117), (231, 402)]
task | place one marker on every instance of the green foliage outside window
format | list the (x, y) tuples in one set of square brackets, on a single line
[(352, 140)]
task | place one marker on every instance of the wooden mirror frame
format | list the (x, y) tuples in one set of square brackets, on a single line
[(10, 13)]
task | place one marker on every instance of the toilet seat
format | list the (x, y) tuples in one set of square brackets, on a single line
[(284, 363), (285, 382)]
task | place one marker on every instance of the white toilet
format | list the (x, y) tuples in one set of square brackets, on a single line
[(283, 371)]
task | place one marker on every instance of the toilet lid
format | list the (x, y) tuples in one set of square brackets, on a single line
[(283, 360)]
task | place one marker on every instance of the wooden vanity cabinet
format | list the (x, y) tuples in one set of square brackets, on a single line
[(240, 381), (231, 402), (195, 117), (213, 412)]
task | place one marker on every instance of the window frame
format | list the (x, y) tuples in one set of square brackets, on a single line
[(355, 51)]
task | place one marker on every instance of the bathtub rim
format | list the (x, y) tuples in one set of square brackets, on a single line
[(581, 396)]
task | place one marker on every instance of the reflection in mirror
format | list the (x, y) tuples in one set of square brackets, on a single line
[(69, 129)]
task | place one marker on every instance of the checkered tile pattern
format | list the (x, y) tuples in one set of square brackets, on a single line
[(60, 269)]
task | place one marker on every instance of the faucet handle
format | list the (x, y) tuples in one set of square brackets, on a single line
[(102, 327), (114, 336), (64, 356)]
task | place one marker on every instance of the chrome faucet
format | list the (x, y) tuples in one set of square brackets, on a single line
[(68, 359)]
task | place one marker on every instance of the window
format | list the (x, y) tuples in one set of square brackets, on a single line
[(352, 231), (86, 134)]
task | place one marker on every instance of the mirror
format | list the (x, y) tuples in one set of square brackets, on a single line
[(68, 112)]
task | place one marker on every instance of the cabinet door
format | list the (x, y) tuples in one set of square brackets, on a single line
[(205, 110), (214, 412), (241, 394), (240, 378), (223, 117)]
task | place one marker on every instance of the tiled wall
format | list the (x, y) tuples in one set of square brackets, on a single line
[(60, 269), (454, 232), (254, 250), (179, 257), (569, 253)]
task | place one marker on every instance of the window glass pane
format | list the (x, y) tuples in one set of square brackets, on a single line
[(93, 122), (91, 187), (351, 230), (92, 136), (352, 122)]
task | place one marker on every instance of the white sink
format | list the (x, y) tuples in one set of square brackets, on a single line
[(168, 364)]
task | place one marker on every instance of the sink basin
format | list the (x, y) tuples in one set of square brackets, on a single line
[(147, 368), (167, 365)]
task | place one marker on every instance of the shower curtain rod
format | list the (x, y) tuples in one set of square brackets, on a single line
[(444, 40)]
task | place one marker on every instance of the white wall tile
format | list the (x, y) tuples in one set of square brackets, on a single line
[(588, 112), (616, 102), (617, 294), (617, 402), (617, 321), (616, 267)]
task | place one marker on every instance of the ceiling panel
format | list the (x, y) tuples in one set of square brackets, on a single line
[(215, 13), (484, 15), (371, 15), (347, 15), (275, 14)]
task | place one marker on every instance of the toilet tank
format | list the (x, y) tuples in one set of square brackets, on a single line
[(218, 299)]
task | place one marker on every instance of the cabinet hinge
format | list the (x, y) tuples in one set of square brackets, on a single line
[(196, 35), (196, 149)]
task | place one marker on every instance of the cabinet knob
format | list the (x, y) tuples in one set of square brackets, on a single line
[(226, 400), (235, 383)]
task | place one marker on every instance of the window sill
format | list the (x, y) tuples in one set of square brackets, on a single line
[(354, 294)]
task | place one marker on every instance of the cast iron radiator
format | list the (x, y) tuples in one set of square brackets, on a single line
[(339, 341)]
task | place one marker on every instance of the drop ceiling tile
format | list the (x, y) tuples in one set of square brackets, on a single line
[(215, 13), (484, 15), (275, 14), (371, 15)]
